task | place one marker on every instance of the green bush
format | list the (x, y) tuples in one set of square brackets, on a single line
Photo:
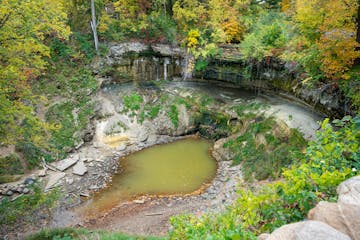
[(32, 153), (268, 37), (173, 114), (161, 27), (24, 206), (213, 227), (351, 88), (72, 233), (332, 158), (10, 165), (264, 150), (132, 102)]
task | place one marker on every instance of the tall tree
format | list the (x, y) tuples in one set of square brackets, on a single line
[(24, 27), (331, 26), (94, 25)]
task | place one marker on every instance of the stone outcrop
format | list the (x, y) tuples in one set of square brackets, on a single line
[(343, 217), (327, 220), (349, 191), (307, 230)]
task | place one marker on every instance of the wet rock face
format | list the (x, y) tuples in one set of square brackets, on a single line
[(135, 61)]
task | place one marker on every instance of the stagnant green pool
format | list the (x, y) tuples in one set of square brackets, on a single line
[(179, 167)]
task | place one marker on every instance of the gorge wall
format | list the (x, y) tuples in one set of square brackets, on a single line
[(138, 62)]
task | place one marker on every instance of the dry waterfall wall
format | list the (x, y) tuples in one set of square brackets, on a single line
[(139, 62)]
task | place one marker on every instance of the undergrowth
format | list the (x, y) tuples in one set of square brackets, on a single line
[(24, 207), (330, 159), (74, 234)]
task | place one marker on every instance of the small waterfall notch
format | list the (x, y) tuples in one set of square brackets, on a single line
[(139, 63)]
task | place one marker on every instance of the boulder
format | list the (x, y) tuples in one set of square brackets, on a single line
[(65, 164), (122, 147), (307, 230), (343, 217), (42, 172), (349, 191), (25, 190), (221, 153), (29, 181), (263, 236), (54, 179), (80, 168)]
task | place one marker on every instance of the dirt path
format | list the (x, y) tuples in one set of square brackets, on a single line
[(149, 218)]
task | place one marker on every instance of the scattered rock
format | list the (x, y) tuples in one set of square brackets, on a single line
[(29, 181), (69, 181), (93, 187), (80, 168), (42, 173), (65, 164), (143, 137), (25, 190), (138, 201), (53, 180), (307, 230), (343, 217), (84, 194), (122, 147), (9, 193), (349, 191)]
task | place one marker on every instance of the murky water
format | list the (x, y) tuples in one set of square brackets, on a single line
[(176, 168)]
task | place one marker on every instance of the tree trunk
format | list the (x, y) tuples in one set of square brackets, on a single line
[(93, 25), (358, 25)]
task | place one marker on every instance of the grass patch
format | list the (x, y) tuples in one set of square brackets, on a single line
[(173, 114), (10, 165), (24, 206), (72, 234), (264, 149)]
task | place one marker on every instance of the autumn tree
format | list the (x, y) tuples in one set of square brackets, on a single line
[(189, 14), (331, 26), (24, 29)]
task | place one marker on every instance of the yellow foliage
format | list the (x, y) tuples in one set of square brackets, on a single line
[(193, 38), (338, 39), (331, 26), (189, 13), (24, 27), (233, 30), (105, 21)]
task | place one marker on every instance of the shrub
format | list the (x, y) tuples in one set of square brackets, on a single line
[(173, 114), (24, 206), (10, 165), (267, 38), (330, 159)]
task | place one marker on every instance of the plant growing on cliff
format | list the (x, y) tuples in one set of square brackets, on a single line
[(174, 115)]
